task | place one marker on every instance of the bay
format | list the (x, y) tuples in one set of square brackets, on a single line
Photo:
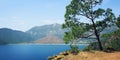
[(32, 51)]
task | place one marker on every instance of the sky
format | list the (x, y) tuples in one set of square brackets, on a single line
[(25, 14)]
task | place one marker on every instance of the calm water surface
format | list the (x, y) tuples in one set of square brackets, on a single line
[(31, 52)]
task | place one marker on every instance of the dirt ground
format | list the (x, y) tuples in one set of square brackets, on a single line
[(94, 55)]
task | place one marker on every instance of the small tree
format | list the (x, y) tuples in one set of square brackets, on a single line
[(72, 33), (86, 9)]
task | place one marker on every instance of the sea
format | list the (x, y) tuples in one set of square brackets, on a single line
[(32, 51)]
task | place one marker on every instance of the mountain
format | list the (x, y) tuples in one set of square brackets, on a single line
[(52, 33), (9, 36), (109, 29), (39, 32), (46, 34), (49, 40)]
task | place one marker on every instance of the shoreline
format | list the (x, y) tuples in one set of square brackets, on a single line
[(43, 44)]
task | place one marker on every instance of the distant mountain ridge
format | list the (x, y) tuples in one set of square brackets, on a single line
[(9, 36), (42, 31), (46, 34)]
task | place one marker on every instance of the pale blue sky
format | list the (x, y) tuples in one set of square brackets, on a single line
[(24, 14)]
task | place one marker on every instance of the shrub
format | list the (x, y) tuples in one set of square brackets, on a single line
[(74, 49), (92, 46), (112, 40)]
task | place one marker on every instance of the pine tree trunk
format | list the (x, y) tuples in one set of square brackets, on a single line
[(97, 36)]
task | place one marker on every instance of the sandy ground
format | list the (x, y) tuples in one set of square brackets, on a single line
[(94, 55)]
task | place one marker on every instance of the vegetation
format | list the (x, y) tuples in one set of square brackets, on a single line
[(79, 10), (92, 46), (110, 41), (74, 49), (118, 22)]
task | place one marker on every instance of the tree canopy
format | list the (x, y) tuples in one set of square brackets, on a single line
[(118, 21), (79, 10)]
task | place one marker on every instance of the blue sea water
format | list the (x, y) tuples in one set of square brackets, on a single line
[(31, 52)]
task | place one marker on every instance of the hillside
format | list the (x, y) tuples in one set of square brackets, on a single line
[(42, 34), (39, 32), (95, 55), (9, 36), (49, 40)]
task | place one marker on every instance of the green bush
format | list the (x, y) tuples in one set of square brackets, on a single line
[(92, 46), (74, 49), (112, 40)]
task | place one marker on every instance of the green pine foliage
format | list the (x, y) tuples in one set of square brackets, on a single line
[(118, 22), (86, 9)]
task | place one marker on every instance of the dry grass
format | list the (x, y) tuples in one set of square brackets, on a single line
[(95, 55)]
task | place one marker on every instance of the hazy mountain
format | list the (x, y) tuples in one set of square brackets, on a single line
[(9, 36), (109, 29), (42, 34), (39, 32), (49, 40), (49, 34)]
